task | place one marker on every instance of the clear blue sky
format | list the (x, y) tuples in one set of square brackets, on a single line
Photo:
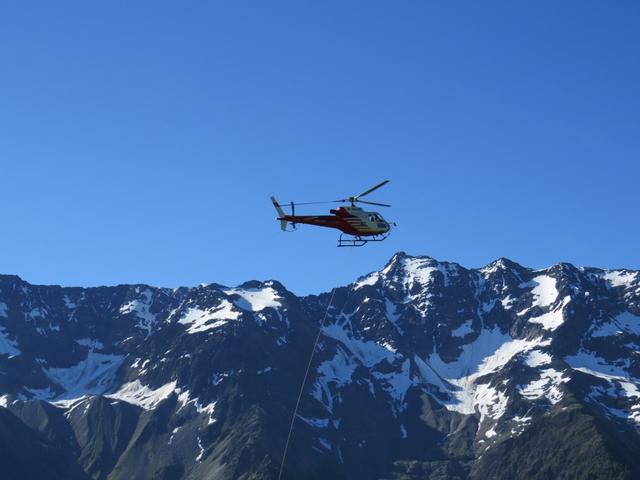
[(140, 141)]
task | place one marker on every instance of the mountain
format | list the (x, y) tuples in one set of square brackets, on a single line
[(424, 369)]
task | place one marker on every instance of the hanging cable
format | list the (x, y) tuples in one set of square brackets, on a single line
[(306, 374)]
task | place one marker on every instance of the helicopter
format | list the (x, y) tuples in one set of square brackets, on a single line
[(359, 226)]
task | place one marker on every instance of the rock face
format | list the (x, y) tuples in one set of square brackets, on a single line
[(424, 369)]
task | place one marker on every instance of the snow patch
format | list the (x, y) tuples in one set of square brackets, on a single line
[(68, 303), (207, 409), (201, 454), (337, 371), (92, 376), (620, 278), (315, 422), (536, 358), (488, 353), (396, 384), (7, 346), (518, 419), (140, 307), (90, 343), (547, 385), (418, 271), (203, 320), (71, 404), (184, 400), (544, 292), (141, 395), (464, 329), (389, 347), (591, 364), (553, 319), (392, 315), (369, 353), (625, 322), (38, 312), (507, 302), (324, 443), (173, 434), (255, 299), (350, 353), (369, 280)]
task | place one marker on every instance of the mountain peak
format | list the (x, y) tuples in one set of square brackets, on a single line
[(502, 263)]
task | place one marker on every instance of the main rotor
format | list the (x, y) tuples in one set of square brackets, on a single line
[(352, 199), (356, 198)]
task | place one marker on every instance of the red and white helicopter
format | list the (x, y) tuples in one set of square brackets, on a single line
[(361, 226)]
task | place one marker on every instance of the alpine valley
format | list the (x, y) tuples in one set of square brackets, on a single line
[(423, 370)]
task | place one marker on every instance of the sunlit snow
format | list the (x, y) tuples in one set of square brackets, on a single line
[(350, 353), (489, 352), (141, 306), (620, 278), (184, 398), (553, 319), (546, 385), (418, 271), (138, 394), (203, 320), (507, 302), (92, 376), (535, 358), (544, 292), (368, 280), (255, 299)]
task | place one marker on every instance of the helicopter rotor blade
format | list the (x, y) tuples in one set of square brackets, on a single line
[(373, 203), (372, 189), (318, 203), (352, 199)]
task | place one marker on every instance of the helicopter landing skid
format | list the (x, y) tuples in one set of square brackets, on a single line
[(359, 241)]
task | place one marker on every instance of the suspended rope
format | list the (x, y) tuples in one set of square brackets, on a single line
[(306, 374)]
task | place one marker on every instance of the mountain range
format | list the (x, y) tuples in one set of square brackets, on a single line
[(423, 370)]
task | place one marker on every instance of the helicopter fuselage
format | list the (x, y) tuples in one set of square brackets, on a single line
[(350, 220)]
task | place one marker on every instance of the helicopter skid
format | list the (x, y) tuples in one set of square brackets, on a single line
[(359, 241)]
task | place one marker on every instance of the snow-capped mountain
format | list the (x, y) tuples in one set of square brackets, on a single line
[(424, 369)]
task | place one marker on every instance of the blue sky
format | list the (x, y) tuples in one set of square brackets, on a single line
[(140, 141)]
